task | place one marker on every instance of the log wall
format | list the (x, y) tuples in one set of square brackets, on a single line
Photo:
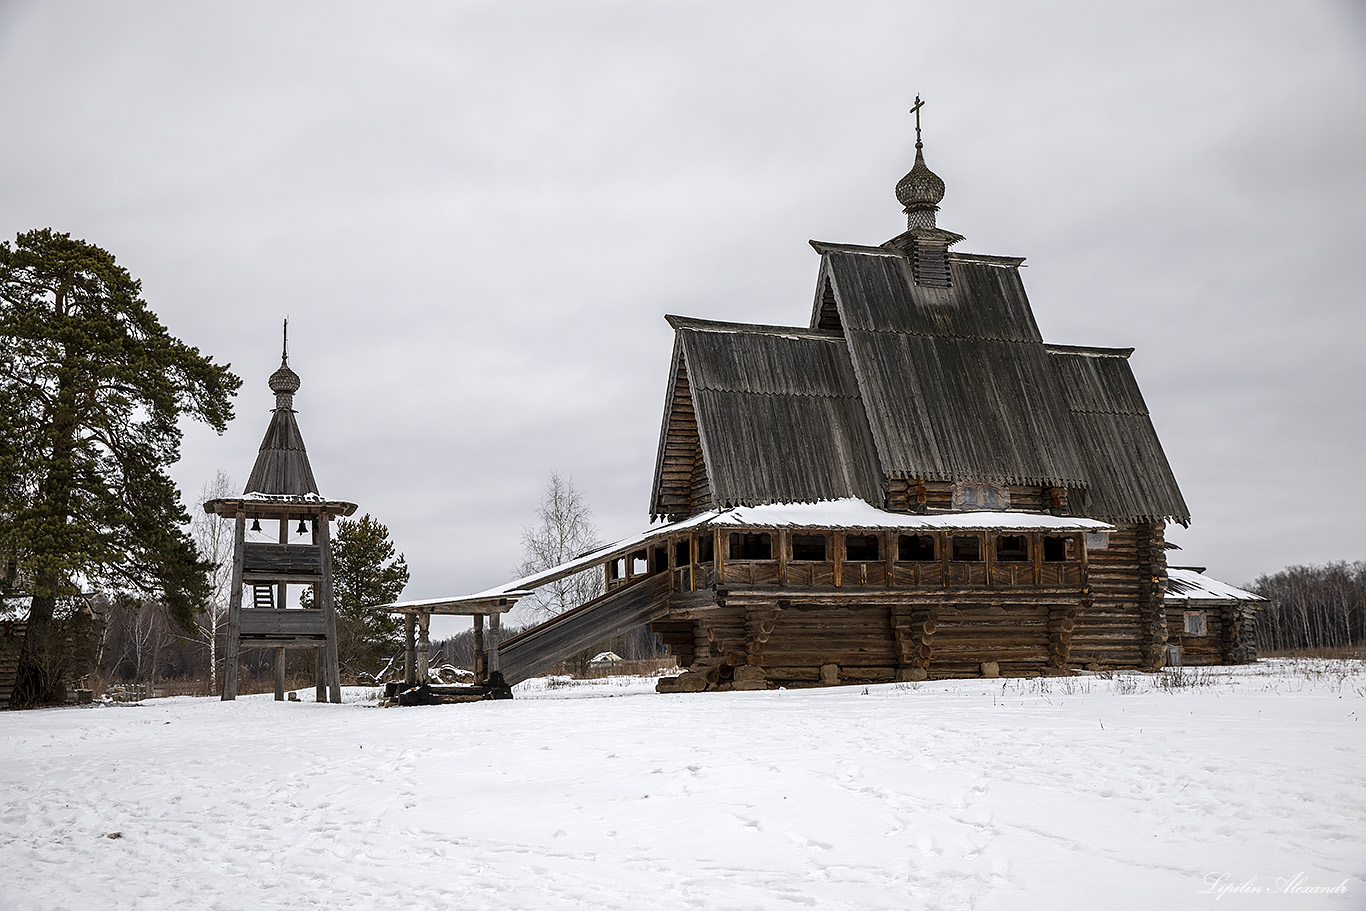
[(1124, 626)]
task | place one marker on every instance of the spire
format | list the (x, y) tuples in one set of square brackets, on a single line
[(284, 382), (924, 243), (282, 466), (921, 190)]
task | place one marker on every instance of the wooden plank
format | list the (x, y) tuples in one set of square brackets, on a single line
[(234, 643), (259, 623), (283, 558), (540, 647), (329, 607)]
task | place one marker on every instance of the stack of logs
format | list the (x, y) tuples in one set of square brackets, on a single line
[(1062, 618), (914, 629)]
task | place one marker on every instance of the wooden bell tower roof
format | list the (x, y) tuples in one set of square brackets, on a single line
[(282, 467)]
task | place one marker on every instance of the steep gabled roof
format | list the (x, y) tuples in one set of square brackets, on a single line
[(282, 463), (1129, 476), (896, 379), (778, 416), (956, 381)]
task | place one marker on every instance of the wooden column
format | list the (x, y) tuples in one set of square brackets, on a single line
[(320, 653), (495, 633), (782, 540), (280, 591), (409, 650), (333, 665), (320, 659), (481, 669), (235, 609), (424, 646)]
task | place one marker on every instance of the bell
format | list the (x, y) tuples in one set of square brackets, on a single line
[(303, 529), (255, 524)]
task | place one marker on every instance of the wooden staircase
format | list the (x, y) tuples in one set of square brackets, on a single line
[(535, 650)]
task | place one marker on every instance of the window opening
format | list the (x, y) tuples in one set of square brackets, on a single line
[(659, 559), (915, 548), (751, 545), (808, 548), (1012, 548), (1195, 623), (706, 548), (681, 553), (1055, 549), (861, 548), (638, 563), (978, 496), (966, 549)]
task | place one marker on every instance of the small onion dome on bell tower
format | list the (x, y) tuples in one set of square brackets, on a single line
[(284, 383), (923, 242)]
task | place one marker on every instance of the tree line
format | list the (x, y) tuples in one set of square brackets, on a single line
[(99, 556), (1312, 607)]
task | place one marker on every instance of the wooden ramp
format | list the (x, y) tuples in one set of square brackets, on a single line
[(541, 647)]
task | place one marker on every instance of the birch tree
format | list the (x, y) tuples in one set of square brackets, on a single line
[(564, 530)]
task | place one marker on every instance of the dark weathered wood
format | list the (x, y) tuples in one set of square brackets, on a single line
[(617, 611), (257, 624), (270, 561), (410, 649), (329, 609), (234, 643), (281, 591)]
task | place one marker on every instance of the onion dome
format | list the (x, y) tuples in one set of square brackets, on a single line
[(284, 381), (921, 188)]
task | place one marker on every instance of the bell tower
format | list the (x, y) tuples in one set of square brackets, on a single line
[(282, 489)]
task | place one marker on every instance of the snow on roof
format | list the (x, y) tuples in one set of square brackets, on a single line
[(854, 513), (845, 513), (1190, 585)]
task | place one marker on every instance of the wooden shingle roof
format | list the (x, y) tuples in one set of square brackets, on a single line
[(1129, 477), (778, 416), (955, 380), (896, 379), (282, 466)]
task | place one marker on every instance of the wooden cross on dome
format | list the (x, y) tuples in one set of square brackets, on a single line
[(916, 111)]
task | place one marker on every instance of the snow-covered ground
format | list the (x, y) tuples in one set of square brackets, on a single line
[(1244, 791)]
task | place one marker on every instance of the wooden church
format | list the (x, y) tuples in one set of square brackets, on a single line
[(912, 485)]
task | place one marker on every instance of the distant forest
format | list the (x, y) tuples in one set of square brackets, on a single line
[(1312, 607)]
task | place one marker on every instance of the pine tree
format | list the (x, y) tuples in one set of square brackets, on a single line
[(365, 572), (92, 387)]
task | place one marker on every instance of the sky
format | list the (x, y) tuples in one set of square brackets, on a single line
[(476, 214)]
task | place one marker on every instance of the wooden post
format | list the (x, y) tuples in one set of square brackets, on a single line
[(424, 646), (481, 670), (495, 630), (280, 590), (320, 659), (409, 650), (838, 544), (239, 539), (892, 541), (783, 541), (329, 608)]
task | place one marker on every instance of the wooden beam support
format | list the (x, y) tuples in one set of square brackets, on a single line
[(409, 649), (329, 608), (234, 644)]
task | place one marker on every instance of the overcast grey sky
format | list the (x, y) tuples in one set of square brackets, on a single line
[(475, 215)]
